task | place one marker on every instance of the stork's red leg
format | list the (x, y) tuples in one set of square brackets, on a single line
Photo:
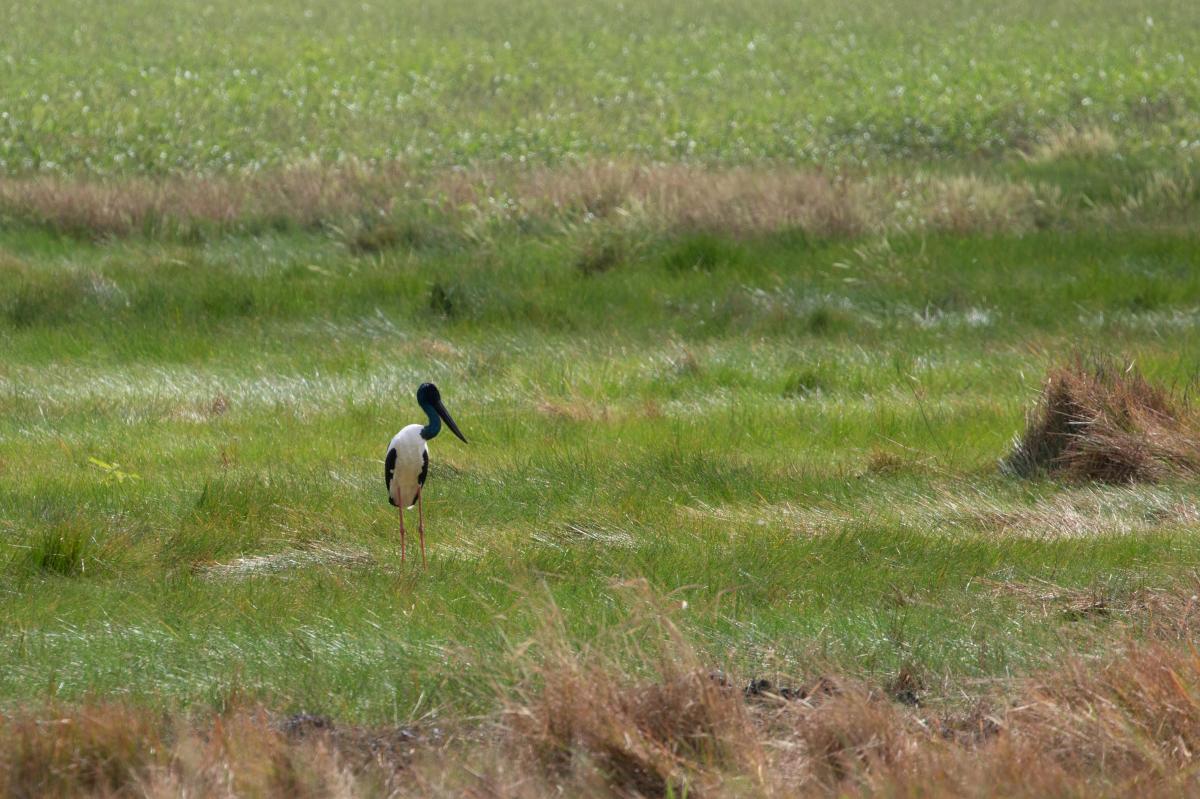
[(402, 535), (421, 526)]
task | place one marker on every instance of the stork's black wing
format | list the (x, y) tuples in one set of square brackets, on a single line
[(424, 467), (389, 469)]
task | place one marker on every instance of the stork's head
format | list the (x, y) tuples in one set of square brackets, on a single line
[(428, 394), (430, 400)]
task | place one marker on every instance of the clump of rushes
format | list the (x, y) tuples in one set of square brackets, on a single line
[(63, 550), (1098, 421)]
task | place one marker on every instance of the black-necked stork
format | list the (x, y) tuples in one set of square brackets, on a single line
[(407, 461)]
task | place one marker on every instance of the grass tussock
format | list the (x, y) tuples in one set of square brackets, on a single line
[(1137, 715), (98, 750), (62, 550), (1097, 421), (584, 718)]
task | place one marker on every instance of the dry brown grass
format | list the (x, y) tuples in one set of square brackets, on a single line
[(1074, 142), (574, 410), (1135, 717), (375, 208), (1168, 617), (580, 718), (637, 714), (1130, 722), (1097, 421), (96, 750), (110, 749), (741, 201), (302, 196), (677, 197)]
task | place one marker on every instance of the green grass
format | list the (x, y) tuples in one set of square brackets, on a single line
[(794, 432), (222, 85), (800, 440)]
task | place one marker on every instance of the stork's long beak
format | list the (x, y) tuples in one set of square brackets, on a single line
[(445, 414)]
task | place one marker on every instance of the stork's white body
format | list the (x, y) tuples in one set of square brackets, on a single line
[(412, 464)]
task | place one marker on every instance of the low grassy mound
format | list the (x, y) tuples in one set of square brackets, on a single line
[(1098, 421)]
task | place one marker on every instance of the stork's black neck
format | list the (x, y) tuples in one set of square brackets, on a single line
[(434, 427)]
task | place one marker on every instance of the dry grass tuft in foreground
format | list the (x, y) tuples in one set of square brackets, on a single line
[(111, 749), (1130, 722), (582, 718), (1096, 421), (1137, 716), (100, 750)]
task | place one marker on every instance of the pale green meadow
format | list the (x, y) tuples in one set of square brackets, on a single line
[(742, 304)]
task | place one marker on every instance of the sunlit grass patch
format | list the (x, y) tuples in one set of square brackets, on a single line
[(1071, 142), (989, 509), (256, 565)]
